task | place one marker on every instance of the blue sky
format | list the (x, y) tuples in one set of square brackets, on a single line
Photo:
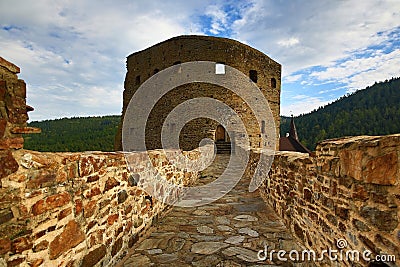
[(72, 53)]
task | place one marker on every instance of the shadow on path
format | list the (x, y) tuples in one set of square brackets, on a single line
[(228, 232)]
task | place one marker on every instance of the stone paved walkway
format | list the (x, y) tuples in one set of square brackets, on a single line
[(228, 232)]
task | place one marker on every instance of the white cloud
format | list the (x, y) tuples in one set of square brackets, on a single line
[(288, 42), (329, 30), (361, 72), (68, 50), (72, 51), (218, 18), (293, 78), (304, 105)]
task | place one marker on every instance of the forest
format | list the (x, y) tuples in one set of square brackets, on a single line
[(374, 110), (74, 134)]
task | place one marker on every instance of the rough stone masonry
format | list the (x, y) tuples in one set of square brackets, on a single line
[(85, 209)]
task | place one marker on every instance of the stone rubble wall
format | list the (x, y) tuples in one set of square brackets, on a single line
[(78, 209), (13, 115), (350, 190)]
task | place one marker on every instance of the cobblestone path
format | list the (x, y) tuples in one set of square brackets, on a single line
[(228, 232)]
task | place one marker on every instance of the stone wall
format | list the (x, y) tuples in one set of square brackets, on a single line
[(78, 209), (13, 116), (144, 64), (350, 190)]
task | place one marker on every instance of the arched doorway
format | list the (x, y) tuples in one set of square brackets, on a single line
[(222, 140), (220, 134)]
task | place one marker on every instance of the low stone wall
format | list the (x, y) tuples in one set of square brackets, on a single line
[(78, 209), (350, 190)]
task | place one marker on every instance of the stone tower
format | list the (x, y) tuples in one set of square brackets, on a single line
[(262, 70)]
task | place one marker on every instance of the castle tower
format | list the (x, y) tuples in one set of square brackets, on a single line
[(262, 70)]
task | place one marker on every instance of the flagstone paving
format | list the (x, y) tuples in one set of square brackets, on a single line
[(225, 233)]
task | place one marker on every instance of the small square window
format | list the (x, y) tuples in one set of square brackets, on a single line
[(219, 68)]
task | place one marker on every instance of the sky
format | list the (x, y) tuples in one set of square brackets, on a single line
[(72, 54)]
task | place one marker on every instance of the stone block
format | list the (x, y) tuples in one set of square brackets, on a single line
[(20, 89), (110, 184), (90, 208), (92, 192), (9, 66), (94, 256), (5, 246), (11, 143), (112, 219), (116, 247), (39, 207), (122, 196), (41, 246), (382, 170), (69, 238), (42, 178), (21, 244), (3, 90), (383, 220), (3, 125), (78, 207), (58, 200), (8, 164), (6, 215)]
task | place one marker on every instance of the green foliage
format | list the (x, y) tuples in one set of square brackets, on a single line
[(371, 111), (74, 134)]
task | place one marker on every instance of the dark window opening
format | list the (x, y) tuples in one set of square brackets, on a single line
[(262, 127), (137, 82), (253, 75), (273, 82), (177, 62)]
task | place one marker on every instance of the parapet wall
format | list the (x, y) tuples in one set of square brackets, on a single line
[(350, 190), (78, 209)]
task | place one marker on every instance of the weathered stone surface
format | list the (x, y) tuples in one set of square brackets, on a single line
[(207, 248), (116, 247), (138, 260), (41, 246), (242, 253), (382, 170), (10, 66), (39, 207), (122, 196), (8, 164), (384, 220), (25, 130), (235, 240), (58, 200), (42, 178), (5, 245), (3, 122), (21, 244), (246, 218), (248, 231), (112, 219), (90, 208), (69, 238), (14, 143), (5, 215), (94, 256), (205, 230), (110, 184), (224, 228)]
